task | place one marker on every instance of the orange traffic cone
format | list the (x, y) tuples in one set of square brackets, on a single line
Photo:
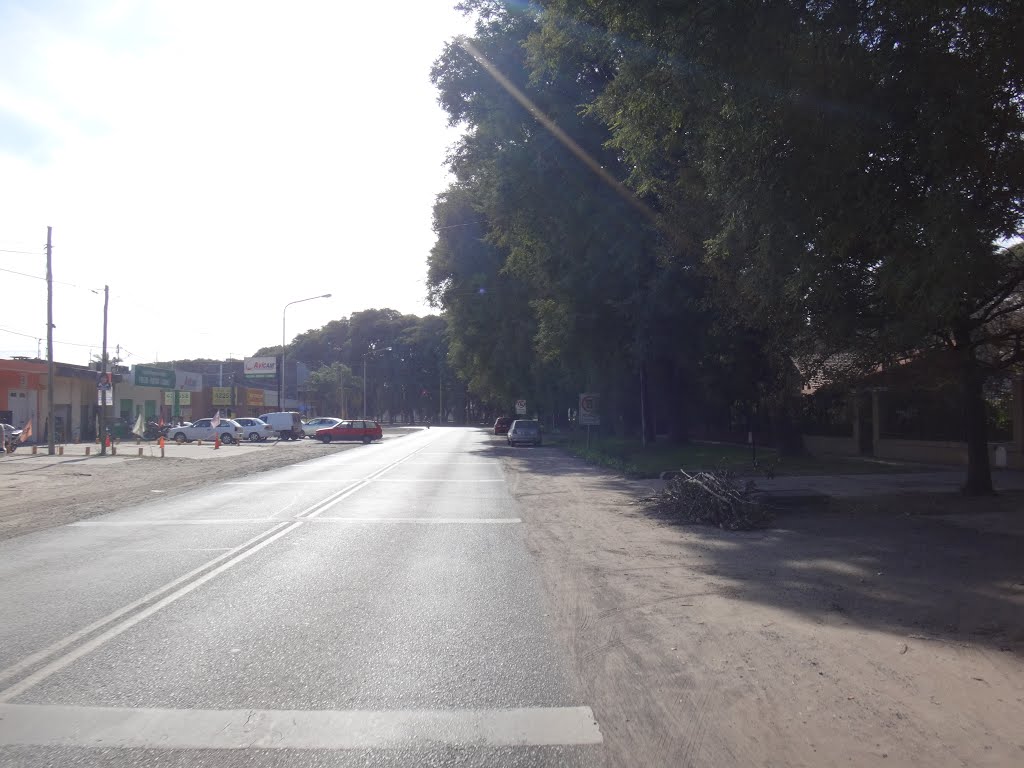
[(216, 442), (108, 441)]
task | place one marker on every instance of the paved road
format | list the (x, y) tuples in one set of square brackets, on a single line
[(373, 607)]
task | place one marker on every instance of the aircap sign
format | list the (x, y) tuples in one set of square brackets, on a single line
[(261, 366)]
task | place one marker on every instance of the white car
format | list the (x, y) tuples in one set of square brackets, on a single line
[(230, 431), (256, 430), (324, 422)]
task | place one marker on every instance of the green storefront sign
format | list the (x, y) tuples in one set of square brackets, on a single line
[(150, 376)]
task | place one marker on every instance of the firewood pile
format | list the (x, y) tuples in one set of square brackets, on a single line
[(710, 498)]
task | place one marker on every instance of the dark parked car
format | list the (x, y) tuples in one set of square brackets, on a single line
[(501, 425), (524, 431)]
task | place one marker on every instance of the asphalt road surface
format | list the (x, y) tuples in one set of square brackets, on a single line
[(373, 607)]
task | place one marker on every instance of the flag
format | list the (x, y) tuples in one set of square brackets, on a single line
[(216, 419), (26, 432), (140, 426)]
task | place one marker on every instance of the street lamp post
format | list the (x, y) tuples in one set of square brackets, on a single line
[(280, 399)]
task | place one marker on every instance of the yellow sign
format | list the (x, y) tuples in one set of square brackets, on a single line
[(220, 395), (184, 398), (254, 397)]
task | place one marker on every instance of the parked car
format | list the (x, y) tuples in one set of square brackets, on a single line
[(351, 429), (228, 430), (256, 430), (324, 422), (524, 431), (501, 425), (287, 424)]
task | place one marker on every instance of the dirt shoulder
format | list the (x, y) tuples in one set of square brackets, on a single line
[(38, 492), (842, 636)]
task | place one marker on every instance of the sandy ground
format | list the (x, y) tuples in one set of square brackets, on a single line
[(859, 635)]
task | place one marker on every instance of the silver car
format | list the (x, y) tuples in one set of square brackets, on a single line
[(256, 430), (524, 431), (228, 430)]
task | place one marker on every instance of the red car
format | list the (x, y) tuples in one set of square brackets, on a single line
[(351, 429), (501, 425)]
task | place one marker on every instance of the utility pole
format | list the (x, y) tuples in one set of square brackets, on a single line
[(102, 391), (440, 392), (49, 342), (364, 386)]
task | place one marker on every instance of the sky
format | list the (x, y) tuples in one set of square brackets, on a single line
[(211, 162)]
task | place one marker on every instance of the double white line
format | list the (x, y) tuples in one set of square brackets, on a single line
[(145, 606)]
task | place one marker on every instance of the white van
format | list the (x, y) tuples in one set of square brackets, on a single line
[(287, 424)]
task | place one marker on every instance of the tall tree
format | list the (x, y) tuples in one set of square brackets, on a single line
[(862, 160)]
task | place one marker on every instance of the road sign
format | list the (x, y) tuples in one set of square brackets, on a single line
[(520, 407), (590, 409)]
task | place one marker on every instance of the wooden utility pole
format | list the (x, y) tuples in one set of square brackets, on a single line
[(50, 383), (102, 391)]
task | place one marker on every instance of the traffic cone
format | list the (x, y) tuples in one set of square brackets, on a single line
[(108, 441), (216, 442), (161, 441)]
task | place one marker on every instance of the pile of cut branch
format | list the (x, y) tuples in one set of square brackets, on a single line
[(712, 498)]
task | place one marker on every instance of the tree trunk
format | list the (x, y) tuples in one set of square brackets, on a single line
[(646, 409), (679, 423), (979, 471)]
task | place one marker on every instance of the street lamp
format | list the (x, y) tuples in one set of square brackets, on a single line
[(280, 400)]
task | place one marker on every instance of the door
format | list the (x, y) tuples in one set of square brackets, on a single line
[(20, 405)]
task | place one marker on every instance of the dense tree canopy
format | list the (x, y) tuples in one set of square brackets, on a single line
[(689, 196)]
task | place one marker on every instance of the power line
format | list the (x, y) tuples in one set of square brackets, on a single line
[(26, 253), (33, 336), (56, 282), (23, 274)]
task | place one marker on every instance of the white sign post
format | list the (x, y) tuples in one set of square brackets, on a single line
[(590, 411), (520, 407)]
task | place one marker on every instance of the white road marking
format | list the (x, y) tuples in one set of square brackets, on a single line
[(265, 538), (106, 727), (62, 661), (424, 520), (49, 650)]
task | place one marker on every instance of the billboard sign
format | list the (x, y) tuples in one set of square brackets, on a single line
[(188, 382), (254, 397), (257, 367), (151, 376), (590, 409), (220, 396)]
